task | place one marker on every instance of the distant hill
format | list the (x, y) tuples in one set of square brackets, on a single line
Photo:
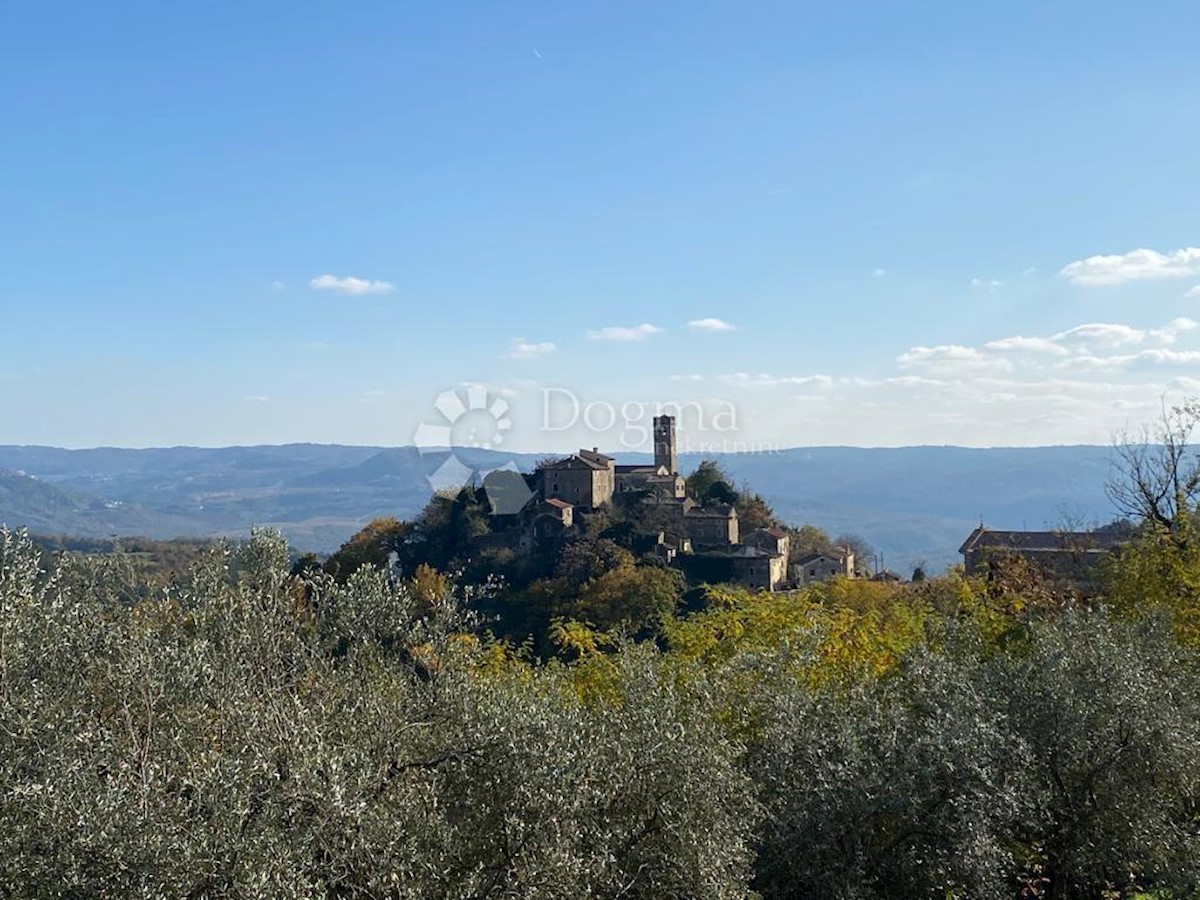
[(912, 503)]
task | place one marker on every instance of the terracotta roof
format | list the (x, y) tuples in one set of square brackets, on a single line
[(560, 504), (1042, 541)]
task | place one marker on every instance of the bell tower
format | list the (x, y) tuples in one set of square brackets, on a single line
[(664, 444)]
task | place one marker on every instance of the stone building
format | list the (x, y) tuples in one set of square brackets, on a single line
[(703, 540), (815, 567), (652, 481), (1071, 558), (759, 568), (665, 455), (585, 479), (771, 547), (775, 541), (711, 526)]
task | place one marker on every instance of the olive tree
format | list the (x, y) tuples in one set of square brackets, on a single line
[(1110, 712), (905, 787), (250, 733)]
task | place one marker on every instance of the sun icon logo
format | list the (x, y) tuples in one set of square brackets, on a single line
[(461, 418)]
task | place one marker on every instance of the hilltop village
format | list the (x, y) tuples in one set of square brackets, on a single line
[(702, 539)]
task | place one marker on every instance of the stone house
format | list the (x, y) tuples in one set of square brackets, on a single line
[(655, 481), (775, 541), (711, 526), (815, 567), (759, 568), (546, 522), (585, 479), (1070, 558)]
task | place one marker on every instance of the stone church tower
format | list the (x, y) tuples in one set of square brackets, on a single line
[(664, 444)]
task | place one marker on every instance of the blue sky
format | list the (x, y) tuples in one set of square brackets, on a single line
[(878, 198)]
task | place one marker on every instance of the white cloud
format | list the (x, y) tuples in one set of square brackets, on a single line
[(257, 398), (1158, 356), (990, 283), (1170, 357), (523, 349), (711, 325), (1103, 334), (1194, 292), (1136, 265), (1190, 386), (687, 378), (940, 353), (879, 273), (622, 333), (277, 285), (763, 381), (350, 285), (1021, 344), (953, 359), (1170, 333)]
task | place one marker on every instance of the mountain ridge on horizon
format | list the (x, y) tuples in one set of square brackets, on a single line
[(913, 503), (537, 453)]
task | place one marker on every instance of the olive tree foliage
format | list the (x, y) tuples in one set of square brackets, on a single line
[(1066, 767), (1156, 477), (249, 733), (1110, 711), (906, 787)]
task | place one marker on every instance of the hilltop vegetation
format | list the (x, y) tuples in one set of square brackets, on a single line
[(605, 574)]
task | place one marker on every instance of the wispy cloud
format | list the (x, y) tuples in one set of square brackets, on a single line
[(623, 333), (257, 398), (687, 378), (711, 325), (879, 273), (277, 285), (1109, 334), (350, 285), (988, 283), (1194, 292), (1104, 334), (1022, 344), (762, 380), (1091, 347), (1136, 265), (523, 349), (952, 359)]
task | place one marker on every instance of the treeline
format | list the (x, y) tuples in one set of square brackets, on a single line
[(252, 732)]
